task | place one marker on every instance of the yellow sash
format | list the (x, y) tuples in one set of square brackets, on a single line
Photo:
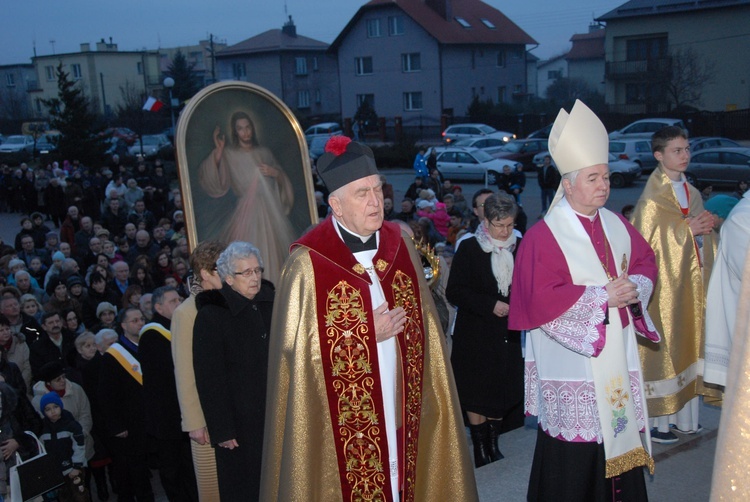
[(127, 361), (159, 328)]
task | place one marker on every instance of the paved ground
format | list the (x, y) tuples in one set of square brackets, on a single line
[(683, 470)]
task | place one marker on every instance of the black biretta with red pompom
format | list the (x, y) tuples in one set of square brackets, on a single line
[(345, 161)]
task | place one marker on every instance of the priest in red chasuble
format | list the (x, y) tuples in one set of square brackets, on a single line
[(582, 280), (361, 399)]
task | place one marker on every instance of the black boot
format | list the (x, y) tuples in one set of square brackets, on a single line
[(480, 437), (100, 479), (495, 426)]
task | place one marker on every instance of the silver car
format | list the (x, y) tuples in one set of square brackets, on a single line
[(461, 131), (471, 164), (621, 172), (719, 166), (637, 150), (645, 128)]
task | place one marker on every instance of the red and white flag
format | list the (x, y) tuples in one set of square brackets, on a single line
[(153, 105)]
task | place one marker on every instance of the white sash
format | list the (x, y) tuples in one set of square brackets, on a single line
[(127, 361), (623, 447)]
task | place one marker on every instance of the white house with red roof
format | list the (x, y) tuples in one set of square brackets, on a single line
[(419, 59)]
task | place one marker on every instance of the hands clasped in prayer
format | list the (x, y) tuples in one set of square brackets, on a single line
[(388, 323), (622, 292), (701, 224)]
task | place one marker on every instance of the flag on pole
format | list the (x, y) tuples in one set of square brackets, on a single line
[(153, 104)]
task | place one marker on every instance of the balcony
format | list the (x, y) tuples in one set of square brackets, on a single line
[(645, 69)]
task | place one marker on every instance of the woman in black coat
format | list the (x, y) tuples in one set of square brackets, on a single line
[(230, 357), (486, 356)]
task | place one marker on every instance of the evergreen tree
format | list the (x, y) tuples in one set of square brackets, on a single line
[(366, 116), (186, 79), (70, 113)]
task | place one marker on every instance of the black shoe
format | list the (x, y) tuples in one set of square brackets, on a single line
[(495, 453), (480, 437)]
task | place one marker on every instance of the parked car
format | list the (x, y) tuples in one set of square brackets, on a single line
[(719, 167), (471, 164), (123, 133), (542, 133), (637, 150), (461, 131), (701, 142), (325, 130), (489, 145), (622, 172), (645, 128), (17, 148), (154, 145), (46, 143), (522, 150), (318, 146)]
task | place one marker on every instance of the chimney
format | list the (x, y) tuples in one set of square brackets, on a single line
[(593, 27), (442, 7), (85, 47), (289, 29)]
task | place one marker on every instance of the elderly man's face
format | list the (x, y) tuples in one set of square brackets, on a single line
[(65, 249), (10, 307), (95, 245), (590, 190), (121, 271), (130, 230), (73, 212), (23, 281), (360, 205), (142, 238), (87, 224)]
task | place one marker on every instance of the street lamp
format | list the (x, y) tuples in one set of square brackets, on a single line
[(169, 83)]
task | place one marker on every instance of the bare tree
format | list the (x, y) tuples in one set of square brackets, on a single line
[(688, 74), (14, 105)]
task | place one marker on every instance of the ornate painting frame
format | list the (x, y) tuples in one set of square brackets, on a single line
[(208, 119)]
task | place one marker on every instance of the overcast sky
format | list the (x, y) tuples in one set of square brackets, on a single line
[(55, 26)]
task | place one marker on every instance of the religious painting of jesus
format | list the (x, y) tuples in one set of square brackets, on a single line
[(244, 171)]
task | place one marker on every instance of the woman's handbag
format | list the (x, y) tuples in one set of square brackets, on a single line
[(35, 476)]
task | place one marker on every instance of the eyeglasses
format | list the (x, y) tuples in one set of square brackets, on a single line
[(500, 225), (250, 272)]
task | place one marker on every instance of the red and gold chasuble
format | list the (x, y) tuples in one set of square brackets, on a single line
[(350, 360)]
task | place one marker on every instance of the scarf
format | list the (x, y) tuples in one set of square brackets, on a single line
[(502, 256)]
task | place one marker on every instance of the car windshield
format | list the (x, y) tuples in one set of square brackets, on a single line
[(16, 140), (513, 147), (151, 140), (464, 142), (482, 156), (487, 129)]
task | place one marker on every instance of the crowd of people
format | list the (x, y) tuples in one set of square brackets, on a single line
[(99, 254), (123, 351)]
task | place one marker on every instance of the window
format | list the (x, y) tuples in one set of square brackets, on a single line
[(315, 63), (554, 74), (317, 96), (238, 70), (196, 57), (518, 89), (411, 62), (303, 99), (10, 80), (363, 66), (502, 93), (488, 24), (501, 59), (139, 67), (301, 66), (395, 25), (373, 28), (463, 22), (412, 101), (76, 69), (646, 48), (50, 72), (369, 98)]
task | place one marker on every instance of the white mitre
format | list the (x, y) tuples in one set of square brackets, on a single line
[(577, 140)]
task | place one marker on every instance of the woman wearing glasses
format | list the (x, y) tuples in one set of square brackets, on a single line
[(486, 356), (230, 358)]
